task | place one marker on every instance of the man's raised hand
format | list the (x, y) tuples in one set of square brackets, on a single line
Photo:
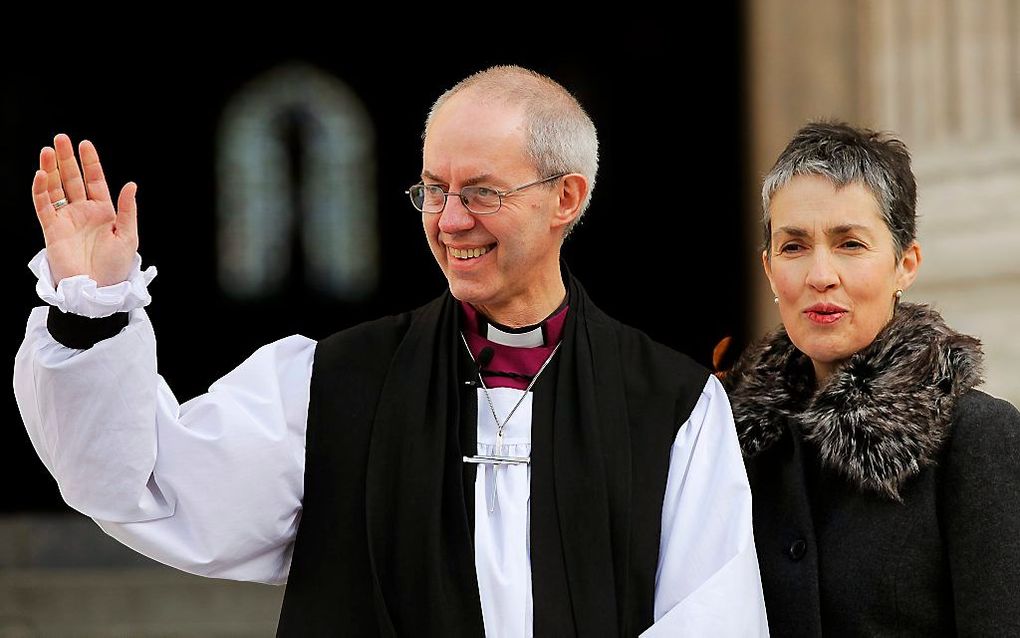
[(86, 236)]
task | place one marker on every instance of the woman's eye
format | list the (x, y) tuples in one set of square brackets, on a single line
[(852, 244), (790, 248)]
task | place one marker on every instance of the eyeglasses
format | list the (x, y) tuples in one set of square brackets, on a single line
[(480, 200)]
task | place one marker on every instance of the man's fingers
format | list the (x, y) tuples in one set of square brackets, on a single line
[(74, 187), (95, 181), (127, 210), (41, 198), (48, 163)]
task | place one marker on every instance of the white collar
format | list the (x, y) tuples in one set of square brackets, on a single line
[(529, 339)]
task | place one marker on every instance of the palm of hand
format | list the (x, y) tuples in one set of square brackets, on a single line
[(85, 235), (83, 239)]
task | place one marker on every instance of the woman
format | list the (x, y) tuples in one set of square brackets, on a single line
[(886, 487)]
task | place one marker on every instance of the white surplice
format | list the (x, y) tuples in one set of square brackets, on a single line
[(213, 486)]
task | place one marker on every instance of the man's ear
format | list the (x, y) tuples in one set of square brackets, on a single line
[(573, 189)]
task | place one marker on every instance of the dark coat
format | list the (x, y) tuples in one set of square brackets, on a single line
[(887, 503)]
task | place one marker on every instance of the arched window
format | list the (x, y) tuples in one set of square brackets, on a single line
[(296, 168)]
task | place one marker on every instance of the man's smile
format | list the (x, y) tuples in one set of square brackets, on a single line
[(469, 252)]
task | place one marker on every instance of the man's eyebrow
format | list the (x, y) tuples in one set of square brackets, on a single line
[(471, 181), (483, 178)]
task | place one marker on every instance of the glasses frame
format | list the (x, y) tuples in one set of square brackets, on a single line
[(463, 200)]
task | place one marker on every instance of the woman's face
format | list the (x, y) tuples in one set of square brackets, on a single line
[(832, 263)]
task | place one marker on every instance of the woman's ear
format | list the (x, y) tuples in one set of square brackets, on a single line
[(767, 264), (907, 268)]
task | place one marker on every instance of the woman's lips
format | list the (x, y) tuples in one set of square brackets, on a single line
[(824, 318), (825, 314)]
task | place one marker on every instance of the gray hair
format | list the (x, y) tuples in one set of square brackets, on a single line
[(845, 155), (561, 137)]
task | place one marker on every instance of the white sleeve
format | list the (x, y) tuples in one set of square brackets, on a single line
[(213, 486), (708, 582)]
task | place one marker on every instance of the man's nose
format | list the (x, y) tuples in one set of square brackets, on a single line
[(455, 217)]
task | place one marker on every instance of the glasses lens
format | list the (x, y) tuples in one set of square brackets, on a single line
[(427, 199), (480, 199), (417, 194)]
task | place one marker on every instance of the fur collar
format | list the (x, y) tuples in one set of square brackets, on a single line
[(880, 418)]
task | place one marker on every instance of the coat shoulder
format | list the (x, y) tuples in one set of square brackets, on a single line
[(983, 427), (637, 346), (654, 371), (980, 467), (374, 332), (365, 348)]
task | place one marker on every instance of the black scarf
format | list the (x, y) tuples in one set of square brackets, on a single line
[(393, 519), (581, 458)]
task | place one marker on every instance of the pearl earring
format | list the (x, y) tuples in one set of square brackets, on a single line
[(899, 293), (775, 300)]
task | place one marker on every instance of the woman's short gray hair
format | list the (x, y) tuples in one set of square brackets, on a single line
[(845, 155), (561, 136)]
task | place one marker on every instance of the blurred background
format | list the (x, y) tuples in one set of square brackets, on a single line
[(272, 161)]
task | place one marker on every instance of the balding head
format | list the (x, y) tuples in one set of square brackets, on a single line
[(560, 137)]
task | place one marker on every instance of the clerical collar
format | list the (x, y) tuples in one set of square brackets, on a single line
[(526, 337), (547, 331), (510, 366)]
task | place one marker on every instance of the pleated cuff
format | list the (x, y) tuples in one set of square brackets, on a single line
[(82, 295)]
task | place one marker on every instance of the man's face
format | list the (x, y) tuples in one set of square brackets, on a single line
[(473, 143)]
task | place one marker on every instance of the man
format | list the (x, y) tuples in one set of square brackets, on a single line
[(505, 460)]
